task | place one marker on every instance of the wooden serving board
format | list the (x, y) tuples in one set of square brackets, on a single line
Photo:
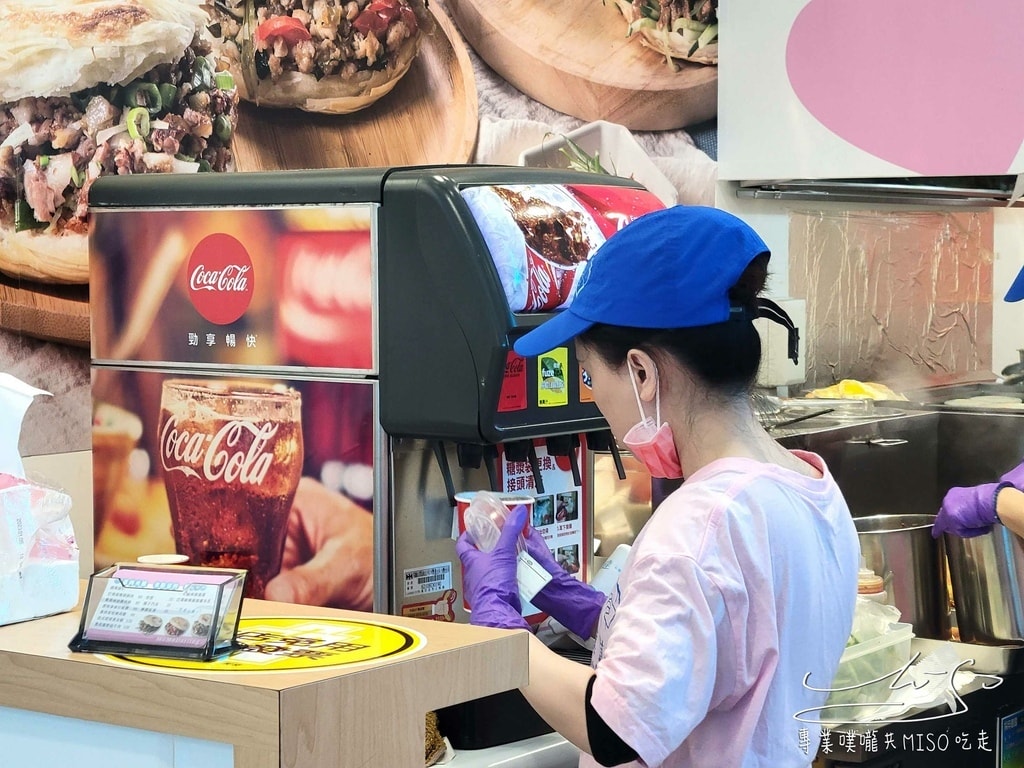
[(50, 312), (429, 118), (574, 56)]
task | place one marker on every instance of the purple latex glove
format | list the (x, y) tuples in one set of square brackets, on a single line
[(572, 603), (968, 512), (489, 578), (1015, 477)]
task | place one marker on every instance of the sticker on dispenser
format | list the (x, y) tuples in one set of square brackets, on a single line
[(441, 609), (552, 384), (427, 579), (513, 386), (586, 391)]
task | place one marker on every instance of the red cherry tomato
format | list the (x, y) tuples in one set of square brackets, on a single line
[(380, 14), (287, 27), (409, 17)]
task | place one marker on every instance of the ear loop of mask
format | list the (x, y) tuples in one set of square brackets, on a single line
[(639, 405)]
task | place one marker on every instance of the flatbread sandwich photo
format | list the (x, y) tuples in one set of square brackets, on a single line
[(685, 30), (331, 56), (96, 87)]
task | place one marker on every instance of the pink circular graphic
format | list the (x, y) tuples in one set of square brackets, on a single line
[(914, 82), (220, 278)]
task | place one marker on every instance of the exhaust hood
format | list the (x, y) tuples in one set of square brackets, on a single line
[(945, 191)]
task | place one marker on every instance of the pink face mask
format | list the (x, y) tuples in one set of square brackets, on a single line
[(651, 441)]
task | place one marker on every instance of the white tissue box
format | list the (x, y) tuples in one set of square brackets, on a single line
[(41, 588)]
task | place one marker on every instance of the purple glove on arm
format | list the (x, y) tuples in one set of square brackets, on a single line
[(489, 578), (971, 511), (1015, 477), (572, 603), (968, 512)]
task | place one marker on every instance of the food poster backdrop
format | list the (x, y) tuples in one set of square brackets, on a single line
[(459, 102), (271, 474), (558, 513), (852, 90), (262, 287)]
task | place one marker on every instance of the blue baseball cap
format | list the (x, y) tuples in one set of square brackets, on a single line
[(672, 268), (1016, 292)]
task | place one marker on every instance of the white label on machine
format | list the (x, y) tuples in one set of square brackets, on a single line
[(428, 578)]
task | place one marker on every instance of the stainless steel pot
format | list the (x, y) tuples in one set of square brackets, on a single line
[(901, 550), (988, 586)]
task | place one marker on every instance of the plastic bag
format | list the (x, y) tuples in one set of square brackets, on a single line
[(871, 619), (38, 552)]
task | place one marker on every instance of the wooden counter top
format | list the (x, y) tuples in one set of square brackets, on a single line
[(371, 714)]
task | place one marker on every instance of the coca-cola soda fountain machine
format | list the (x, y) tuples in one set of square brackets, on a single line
[(297, 366)]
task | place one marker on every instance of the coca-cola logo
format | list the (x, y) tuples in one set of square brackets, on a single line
[(223, 456), (220, 278), (515, 365)]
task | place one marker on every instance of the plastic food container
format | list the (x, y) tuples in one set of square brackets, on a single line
[(857, 680)]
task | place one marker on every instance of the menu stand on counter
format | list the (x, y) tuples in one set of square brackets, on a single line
[(177, 612)]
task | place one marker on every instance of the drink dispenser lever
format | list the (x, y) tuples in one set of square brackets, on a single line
[(491, 464), (524, 450), (605, 441), (617, 459), (446, 471), (538, 481), (566, 445)]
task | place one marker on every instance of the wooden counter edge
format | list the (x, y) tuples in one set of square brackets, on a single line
[(376, 712), (378, 718)]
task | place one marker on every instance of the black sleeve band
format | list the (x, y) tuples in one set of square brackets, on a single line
[(605, 745)]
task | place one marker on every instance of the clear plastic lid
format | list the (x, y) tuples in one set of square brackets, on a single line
[(484, 517)]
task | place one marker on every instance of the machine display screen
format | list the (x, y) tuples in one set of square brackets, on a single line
[(540, 235)]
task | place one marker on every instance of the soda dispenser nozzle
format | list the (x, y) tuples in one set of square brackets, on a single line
[(524, 450), (566, 445), (471, 455), (605, 441)]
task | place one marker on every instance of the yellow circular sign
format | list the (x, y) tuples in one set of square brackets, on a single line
[(290, 643)]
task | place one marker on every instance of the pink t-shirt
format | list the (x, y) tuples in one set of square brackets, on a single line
[(741, 584)]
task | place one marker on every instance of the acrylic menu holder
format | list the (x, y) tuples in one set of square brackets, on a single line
[(170, 611)]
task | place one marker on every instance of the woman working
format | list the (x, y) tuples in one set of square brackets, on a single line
[(743, 582), (973, 510)]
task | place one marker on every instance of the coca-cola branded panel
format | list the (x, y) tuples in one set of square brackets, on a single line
[(272, 475), (539, 235), (254, 287)]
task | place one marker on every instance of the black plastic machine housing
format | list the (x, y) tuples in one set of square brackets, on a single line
[(445, 324)]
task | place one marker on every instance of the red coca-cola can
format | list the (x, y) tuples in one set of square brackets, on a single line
[(612, 208)]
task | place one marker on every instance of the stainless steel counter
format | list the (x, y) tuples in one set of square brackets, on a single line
[(547, 751)]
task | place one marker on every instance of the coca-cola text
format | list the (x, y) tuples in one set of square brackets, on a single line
[(233, 277), (181, 451)]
